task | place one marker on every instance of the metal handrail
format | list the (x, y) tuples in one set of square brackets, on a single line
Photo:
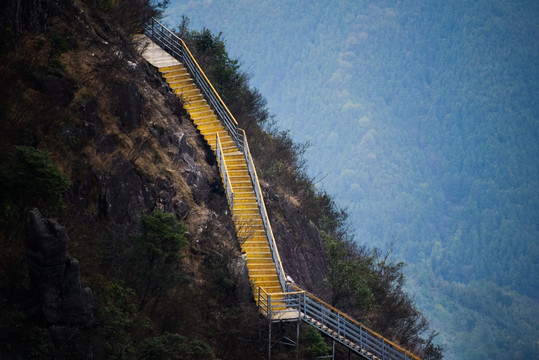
[(280, 303), (346, 330), (263, 213), (176, 47), (312, 310), (224, 173)]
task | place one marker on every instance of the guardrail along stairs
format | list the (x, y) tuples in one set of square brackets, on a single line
[(276, 299), (227, 141)]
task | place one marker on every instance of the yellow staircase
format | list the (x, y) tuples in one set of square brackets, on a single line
[(248, 210), (246, 213), (245, 210)]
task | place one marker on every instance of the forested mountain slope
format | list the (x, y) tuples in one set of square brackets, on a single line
[(116, 241), (422, 119)]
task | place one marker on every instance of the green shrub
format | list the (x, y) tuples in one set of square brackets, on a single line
[(157, 254), (58, 44), (174, 347), (316, 345), (29, 179)]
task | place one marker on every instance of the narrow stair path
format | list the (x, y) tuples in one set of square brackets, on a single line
[(246, 211)]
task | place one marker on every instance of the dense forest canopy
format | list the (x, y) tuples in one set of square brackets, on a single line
[(422, 119)]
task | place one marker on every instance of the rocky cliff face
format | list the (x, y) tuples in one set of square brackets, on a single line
[(299, 243), (76, 88)]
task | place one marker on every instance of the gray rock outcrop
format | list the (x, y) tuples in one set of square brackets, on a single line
[(129, 105), (64, 301)]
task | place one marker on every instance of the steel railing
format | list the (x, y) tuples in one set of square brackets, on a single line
[(263, 213), (224, 173), (283, 305), (176, 47), (344, 329), (293, 301)]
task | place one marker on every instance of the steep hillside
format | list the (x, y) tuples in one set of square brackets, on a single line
[(422, 121), (74, 88), (132, 252)]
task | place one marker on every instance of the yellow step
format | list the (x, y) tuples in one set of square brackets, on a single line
[(208, 128), (248, 218), (235, 161), (204, 121), (238, 172), (262, 254), (223, 136), (241, 183), (245, 199), (258, 236), (186, 93), (203, 115), (267, 282), (208, 136), (170, 69), (197, 107), (259, 241), (245, 195), (244, 206), (195, 103), (175, 75), (187, 98), (259, 260), (183, 88), (261, 266), (274, 300), (253, 225), (260, 272), (246, 214), (255, 248), (225, 144), (179, 81)]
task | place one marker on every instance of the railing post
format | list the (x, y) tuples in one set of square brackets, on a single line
[(338, 324), (361, 337), (304, 305), (259, 298), (269, 306)]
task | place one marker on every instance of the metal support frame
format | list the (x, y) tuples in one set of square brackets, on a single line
[(282, 339)]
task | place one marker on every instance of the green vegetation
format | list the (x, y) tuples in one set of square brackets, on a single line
[(359, 280), (158, 250), (316, 346), (422, 121), (349, 273), (29, 179), (174, 347)]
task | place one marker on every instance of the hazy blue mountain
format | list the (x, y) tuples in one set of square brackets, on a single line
[(423, 120)]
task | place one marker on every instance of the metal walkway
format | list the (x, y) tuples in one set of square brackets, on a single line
[(276, 299)]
